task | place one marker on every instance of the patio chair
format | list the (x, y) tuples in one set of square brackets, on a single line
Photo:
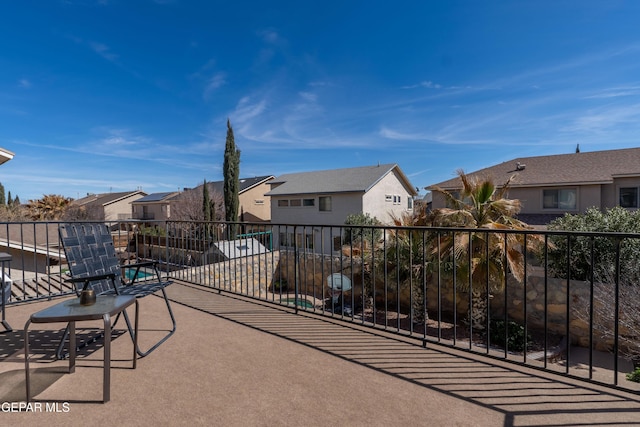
[(93, 264)]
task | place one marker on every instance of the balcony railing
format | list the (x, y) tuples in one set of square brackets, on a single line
[(559, 301)]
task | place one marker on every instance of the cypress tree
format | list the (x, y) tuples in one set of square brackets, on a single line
[(206, 206), (9, 199), (2, 200), (231, 171)]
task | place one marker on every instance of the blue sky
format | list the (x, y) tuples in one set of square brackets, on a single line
[(115, 95)]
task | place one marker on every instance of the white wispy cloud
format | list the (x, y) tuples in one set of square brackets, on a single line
[(308, 96), (103, 50), (425, 84), (270, 36), (615, 92), (216, 81), (24, 83), (605, 119), (247, 109)]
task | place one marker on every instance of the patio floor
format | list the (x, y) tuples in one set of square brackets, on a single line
[(236, 362)]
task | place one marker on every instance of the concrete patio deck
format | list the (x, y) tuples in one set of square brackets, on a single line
[(237, 362)]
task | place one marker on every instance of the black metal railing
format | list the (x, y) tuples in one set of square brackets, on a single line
[(565, 302)]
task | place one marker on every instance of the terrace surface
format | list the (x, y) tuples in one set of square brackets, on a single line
[(238, 362)]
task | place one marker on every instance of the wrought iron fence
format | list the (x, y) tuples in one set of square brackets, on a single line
[(559, 301), (564, 302)]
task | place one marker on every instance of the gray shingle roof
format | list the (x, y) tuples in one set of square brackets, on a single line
[(349, 180), (596, 167), (245, 184)]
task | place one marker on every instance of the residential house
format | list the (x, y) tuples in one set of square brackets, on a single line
[(156, 206), (550, 186), (328, 197), (254, 205), (110, 206)]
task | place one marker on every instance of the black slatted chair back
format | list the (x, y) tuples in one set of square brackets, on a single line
[(90, 252)]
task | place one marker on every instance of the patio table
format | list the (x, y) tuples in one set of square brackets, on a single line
[(71, 311)]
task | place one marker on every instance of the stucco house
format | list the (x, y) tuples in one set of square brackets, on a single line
[(156, 206), (110, 206), (254, 206), (550, 186), (328, 197)]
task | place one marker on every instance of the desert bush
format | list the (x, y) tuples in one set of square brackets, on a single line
[(361, 234), (579, 248)]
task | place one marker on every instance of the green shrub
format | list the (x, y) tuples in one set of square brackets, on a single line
[(152, 231), (634, 376), (359, 234), (515, 335), (280, 285), (615, 220)]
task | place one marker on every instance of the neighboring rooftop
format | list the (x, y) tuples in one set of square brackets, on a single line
[(596, 167), (157, 197), (245, 184), (106, 198), (349, 180)]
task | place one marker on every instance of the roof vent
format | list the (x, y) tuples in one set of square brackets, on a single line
[(520, 166)]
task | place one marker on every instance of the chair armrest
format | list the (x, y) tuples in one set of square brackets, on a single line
[(91, 278), (88, 279)]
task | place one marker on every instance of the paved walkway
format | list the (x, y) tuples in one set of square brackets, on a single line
[(240, 363)]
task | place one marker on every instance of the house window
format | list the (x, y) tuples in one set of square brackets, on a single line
[(565, 198), (409, 202), (283, 203), (295, 202), (324, 203), (308, 202), (259, 202), (388, 197), (629, 197)]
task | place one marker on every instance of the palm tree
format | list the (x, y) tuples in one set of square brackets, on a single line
[(407, 258), (481, 260), (50, 207)]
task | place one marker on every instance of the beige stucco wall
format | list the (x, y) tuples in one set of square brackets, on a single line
[(121, 207), (374, 201), (531, 198), (157, 211), (249, 205)]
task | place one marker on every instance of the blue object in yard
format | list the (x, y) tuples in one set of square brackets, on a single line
[(5, 291)]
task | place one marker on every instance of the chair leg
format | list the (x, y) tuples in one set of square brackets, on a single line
[(157, 344)]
